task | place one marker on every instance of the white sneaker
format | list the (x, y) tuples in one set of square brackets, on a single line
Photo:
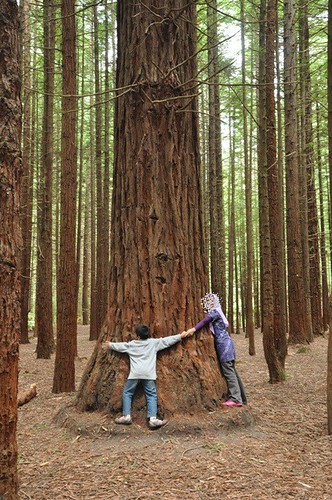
[(154, 423), (125, 420)]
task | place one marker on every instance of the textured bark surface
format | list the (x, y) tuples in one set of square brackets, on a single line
[(264, 209), (158, 266), (298, 330), (275, 216), (64, 372), (27, 177), (44, 309), (308, 152), (248, 188), (10, 243)]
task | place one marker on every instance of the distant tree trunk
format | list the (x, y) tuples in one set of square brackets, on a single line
[(98, 315), (298, 331), (325, 289), (237, 287), (329, 86), (106, 179), (35, 159), (214, 163), (158, 262), (242, 274), (27, 179), (10, 243), (80, 176), (329, 360), (85, 278), (264, 209), (329, 97), (231, 224), (303, 162), (257, 290), (281, 188), (308, 148), (275, 216), (93, 294), (248, 183), (44, 295), (64, 372)]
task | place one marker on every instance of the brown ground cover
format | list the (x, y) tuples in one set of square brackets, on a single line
[(276, 448)]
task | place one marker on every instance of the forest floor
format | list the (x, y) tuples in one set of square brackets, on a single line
[(276, 448)]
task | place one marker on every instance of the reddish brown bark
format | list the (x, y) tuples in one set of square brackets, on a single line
[(64, 372), (10, 243), (308, 153), (275, 215), (298, 321), (158, 265), (27, 178), (44, 309), (248, 184)]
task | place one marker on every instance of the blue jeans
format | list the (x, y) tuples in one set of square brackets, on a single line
[(150, 390)]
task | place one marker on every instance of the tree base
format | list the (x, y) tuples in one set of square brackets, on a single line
[(101, 424)]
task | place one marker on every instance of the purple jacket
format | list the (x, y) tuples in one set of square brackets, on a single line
[(223, 342)]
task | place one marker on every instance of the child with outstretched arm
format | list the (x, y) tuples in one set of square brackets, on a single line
[(143, 359), (224, 347)]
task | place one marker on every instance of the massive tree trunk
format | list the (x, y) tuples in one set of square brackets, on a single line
[(158, 263), (10, 243), (64, 372)]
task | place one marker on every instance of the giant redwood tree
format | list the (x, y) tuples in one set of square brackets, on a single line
[(10, 243), (158, 266)]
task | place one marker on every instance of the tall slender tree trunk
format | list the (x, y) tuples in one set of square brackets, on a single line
[(231, 238), (308, 151), (27, 179), (298, 330), (248, 183), (329, 86), (44, 296), (158, 262), (106, 178), (80, 209), (86, 255), (93, 282), (281, 187), (10, 243), (275, 216), (264, 207), (64, 372), (213, 153), (325, 288), (98, 315)]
